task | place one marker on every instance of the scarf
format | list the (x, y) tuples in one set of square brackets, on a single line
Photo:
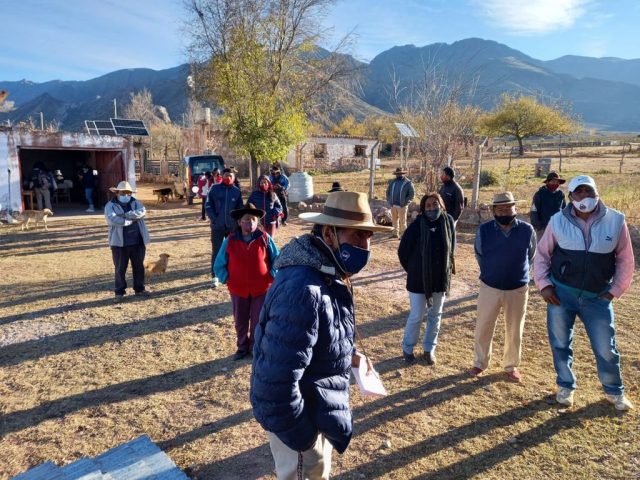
[(444, 226)]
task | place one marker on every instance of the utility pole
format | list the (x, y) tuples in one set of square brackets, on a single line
[(372, 169), (476, 174), (41, 121), (115, 108)]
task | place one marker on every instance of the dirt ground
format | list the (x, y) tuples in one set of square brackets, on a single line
[(80, 374)]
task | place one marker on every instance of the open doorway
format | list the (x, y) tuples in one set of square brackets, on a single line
[(66, 166)]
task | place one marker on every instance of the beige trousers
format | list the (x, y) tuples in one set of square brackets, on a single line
[(311, 464), (399, 219), (514, 305)]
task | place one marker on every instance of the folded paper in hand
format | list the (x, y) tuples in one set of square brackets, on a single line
[(369, 383)]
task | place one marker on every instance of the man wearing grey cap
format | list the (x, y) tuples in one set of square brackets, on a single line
[(584, 260)]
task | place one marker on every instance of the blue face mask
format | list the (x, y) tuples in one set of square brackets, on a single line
[(353, 259), (124, 198), (432, 215)]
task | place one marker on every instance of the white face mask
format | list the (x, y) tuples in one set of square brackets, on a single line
[(124, 198), (586, 205)]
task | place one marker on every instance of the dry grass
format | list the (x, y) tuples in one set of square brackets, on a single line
[(79, 375)]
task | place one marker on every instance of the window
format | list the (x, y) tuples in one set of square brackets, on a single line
[(320, 150), (361, 151)]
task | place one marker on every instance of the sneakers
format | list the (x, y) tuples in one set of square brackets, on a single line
[(430, 358), (565, 396), (621, 402), (118, 298), (215, 283), (90, 210), (409, 357), (143, 293), (475, 371), (514, 376)]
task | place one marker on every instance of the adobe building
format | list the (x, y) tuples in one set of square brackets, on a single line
[(112, 157), (333, 152)]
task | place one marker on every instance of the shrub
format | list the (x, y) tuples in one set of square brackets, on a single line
[(488, 178)]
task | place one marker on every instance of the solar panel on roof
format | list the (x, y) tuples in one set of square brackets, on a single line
[(99, 127), (138, 132), (103, 124), (125, 126), (127, 122)]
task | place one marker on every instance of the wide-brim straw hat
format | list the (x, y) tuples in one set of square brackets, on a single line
[(123, 186), (346, 210), (250, 209), (504, 198)]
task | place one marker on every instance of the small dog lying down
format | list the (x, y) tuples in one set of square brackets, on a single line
[(158, 267), (163, 194), (38, 216)]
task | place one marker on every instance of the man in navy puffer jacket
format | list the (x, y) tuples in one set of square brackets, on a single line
[(304, 341)]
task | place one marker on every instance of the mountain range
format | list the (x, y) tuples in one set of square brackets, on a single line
[(604, 92)]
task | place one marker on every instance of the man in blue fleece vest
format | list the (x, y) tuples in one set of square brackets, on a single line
[(504, 248)]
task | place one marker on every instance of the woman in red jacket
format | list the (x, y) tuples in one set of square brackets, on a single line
[(245, 263)]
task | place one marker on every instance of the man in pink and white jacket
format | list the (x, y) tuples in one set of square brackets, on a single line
[(583, 261)]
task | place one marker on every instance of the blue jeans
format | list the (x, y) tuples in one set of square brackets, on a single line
[(598, 319), (88, 194), (418, 306)]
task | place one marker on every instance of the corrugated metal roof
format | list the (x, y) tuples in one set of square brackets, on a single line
[(139, 459)]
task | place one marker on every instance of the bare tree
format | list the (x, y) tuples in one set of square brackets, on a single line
[(141, 107), (439, 110)]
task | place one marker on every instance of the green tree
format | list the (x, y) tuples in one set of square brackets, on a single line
[(257, 60), (349, 126), (5, 105), (522, 117)]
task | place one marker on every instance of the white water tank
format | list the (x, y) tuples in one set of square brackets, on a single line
[(300, 187)]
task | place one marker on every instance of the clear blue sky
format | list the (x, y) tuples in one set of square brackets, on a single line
[(82, 39)]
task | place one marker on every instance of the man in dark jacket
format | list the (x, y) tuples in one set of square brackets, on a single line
[(304, 341), (400, 192), (89, 185), (451, 193), (221, 199), (547, 201)]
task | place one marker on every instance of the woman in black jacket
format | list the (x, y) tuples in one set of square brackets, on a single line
[(426, 254)]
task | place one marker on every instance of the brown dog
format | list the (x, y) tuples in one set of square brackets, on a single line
[(38, 216), (163, 195), (158, 267)]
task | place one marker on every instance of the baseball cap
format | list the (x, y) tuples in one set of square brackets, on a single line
[(582, 180)]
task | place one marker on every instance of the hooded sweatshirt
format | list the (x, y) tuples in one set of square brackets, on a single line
[(267, 201)]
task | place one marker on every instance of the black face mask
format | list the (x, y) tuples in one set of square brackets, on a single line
[(504, 219)]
